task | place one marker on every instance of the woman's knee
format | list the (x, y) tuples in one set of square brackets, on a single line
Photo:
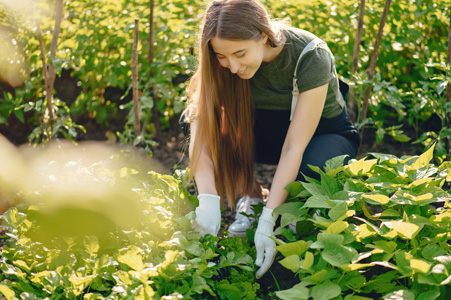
[(322, 148)]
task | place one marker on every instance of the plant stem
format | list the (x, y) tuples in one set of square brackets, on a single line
[(44, 67), (54, 44), (373, 60), (155, 113), (135, 78), (355, 59), (448, 89), (275, 280)]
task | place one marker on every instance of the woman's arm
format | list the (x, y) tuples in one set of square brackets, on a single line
[(303, 125), (204, 175)]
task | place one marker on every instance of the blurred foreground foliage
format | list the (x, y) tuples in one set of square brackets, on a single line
[(98, 222), (94, 53)]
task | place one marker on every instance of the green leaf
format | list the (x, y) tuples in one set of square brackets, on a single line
[(386, 246), (339, 255), (338, 211), (329, 184), (318, 201), (319, 276), (354, 297), (19, 115), (429, 252), (391, 212), (334, 165), (290, 218), (400, 295), (429, 295), (403, 263), (297, 292), (326, 290), (314, 189), (296, 189), (230, 291)]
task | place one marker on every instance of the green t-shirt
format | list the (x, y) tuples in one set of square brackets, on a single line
[(272, 84)]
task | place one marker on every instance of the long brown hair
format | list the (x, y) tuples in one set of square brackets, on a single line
[(221, 102)]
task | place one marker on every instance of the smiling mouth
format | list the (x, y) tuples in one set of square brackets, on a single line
[(242, 72)]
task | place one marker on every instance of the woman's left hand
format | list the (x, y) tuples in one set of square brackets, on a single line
[(264, 242)]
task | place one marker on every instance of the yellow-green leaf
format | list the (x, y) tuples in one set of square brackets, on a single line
[(391, 234), (386, 246), (405, 230), (423, 160), (420, 198), (296, 248), (7, 292), (439, 218), (361, 167), (419, 265), (292, 262), (419, 182), (364, 231), (298, 291), (355, 267), (80, 282), (337, 227), (308, 260), (382, 199), (132, 259), (318, 276)]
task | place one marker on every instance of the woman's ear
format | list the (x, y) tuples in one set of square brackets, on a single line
[(264, 38)]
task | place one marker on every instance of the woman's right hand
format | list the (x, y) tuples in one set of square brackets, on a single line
[(208, 214)]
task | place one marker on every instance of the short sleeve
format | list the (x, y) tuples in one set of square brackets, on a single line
[(316, 69)]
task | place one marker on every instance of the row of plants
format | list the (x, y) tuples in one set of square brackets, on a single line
[(95, 53), (90, 222), (374, 229)]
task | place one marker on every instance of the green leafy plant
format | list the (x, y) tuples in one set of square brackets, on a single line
[(91, 228), (380, 229), (433, 96)]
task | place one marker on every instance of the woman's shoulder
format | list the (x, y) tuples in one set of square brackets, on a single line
[(298, 38)]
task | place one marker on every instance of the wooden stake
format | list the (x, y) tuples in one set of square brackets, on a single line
[(373, 60), (448, 87), (355, 60), (50, 73), (151, 6), (448, 61), (49, 91), (135, 78), (155, 113), (54, 45)]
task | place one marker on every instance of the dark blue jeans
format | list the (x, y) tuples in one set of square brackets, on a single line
[(333, 137)]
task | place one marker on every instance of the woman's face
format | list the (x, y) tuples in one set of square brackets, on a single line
[(241, 57)]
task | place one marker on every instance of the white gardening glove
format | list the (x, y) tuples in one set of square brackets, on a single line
[(208, 214), (264, 243)]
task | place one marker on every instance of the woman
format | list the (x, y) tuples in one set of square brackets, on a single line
[(251, 100)]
